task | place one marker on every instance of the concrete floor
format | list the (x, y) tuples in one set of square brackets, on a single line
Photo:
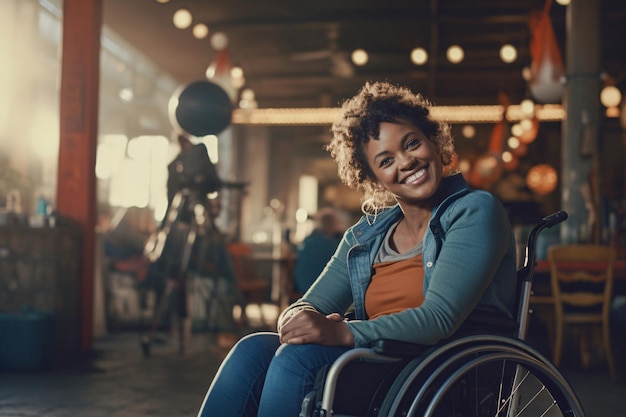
[(118, 381)]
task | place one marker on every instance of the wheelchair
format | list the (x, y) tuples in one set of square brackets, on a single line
[(486, 369)]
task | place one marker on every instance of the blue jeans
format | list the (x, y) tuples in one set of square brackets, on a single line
[(262, 378)]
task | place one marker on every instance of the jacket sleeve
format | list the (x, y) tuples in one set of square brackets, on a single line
[(477, 237)]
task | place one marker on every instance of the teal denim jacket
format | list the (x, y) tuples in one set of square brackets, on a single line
[(469, 259)]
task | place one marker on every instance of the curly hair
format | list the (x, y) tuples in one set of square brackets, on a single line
[(375, 103)]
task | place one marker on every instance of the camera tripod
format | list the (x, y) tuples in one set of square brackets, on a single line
[(188, 241)]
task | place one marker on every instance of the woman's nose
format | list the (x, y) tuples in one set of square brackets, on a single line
[(406, 161)]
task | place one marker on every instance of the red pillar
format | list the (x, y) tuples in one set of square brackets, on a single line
[(76, 182)]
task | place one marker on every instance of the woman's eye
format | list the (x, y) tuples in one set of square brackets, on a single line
[(412, 143), (385, 162)]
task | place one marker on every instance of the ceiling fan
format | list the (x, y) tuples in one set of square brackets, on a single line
[(340, 65)]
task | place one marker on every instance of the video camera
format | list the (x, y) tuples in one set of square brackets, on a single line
[(193, 170)]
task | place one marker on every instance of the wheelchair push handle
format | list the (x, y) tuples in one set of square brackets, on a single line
[(547, 222), (555, 218)]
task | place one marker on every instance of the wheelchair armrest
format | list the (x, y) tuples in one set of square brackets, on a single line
[(479, 322), (397, 348)]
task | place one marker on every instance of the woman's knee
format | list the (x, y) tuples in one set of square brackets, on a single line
[(296, 358), (257, 346)]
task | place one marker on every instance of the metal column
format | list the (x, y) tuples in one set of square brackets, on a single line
[(580, 129)]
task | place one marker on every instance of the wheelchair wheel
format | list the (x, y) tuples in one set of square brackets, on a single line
[(483, 380)]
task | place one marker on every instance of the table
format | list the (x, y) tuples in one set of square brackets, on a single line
[(282, 280)]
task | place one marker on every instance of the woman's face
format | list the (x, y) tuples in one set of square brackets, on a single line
[(405, 162)]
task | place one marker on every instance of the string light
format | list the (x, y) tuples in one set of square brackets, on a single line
[(419, 56), (455, 54), (508, 53), (200, 31), (359, 57), (513, 142), (451, 114), (219, 41), (182, 18), (469, 131), (528, 106), (610, 96)]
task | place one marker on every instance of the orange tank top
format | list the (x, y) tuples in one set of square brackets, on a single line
[(395, 286)]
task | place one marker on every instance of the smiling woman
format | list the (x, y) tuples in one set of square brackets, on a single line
[(427, 252)]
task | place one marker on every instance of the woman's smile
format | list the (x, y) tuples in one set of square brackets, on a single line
[(415, 177)]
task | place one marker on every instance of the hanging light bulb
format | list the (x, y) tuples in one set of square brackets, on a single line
[(359, 57), (526, 124), (247, 94), (610, 96), (236, 72), (248, 101), (182, 18), (509, 161), (469, 131), (528, 106), (517, 130), (455, 54), (236, 77), (513, 142), (200, 31), (219, 41), (530, 128), (419, 56), (508, 53)]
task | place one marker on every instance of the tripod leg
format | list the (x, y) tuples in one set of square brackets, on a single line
[(157, 317), (184, 316)]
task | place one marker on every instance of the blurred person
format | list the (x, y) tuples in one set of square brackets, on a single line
[(426, 253), (317, 248)]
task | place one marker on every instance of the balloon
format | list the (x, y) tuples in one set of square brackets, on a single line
[(201, 108)]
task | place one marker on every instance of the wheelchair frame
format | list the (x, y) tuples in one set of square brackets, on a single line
[(530, 385)]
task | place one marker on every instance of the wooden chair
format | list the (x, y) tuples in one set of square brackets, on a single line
[(253, 288), (582, 285)]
